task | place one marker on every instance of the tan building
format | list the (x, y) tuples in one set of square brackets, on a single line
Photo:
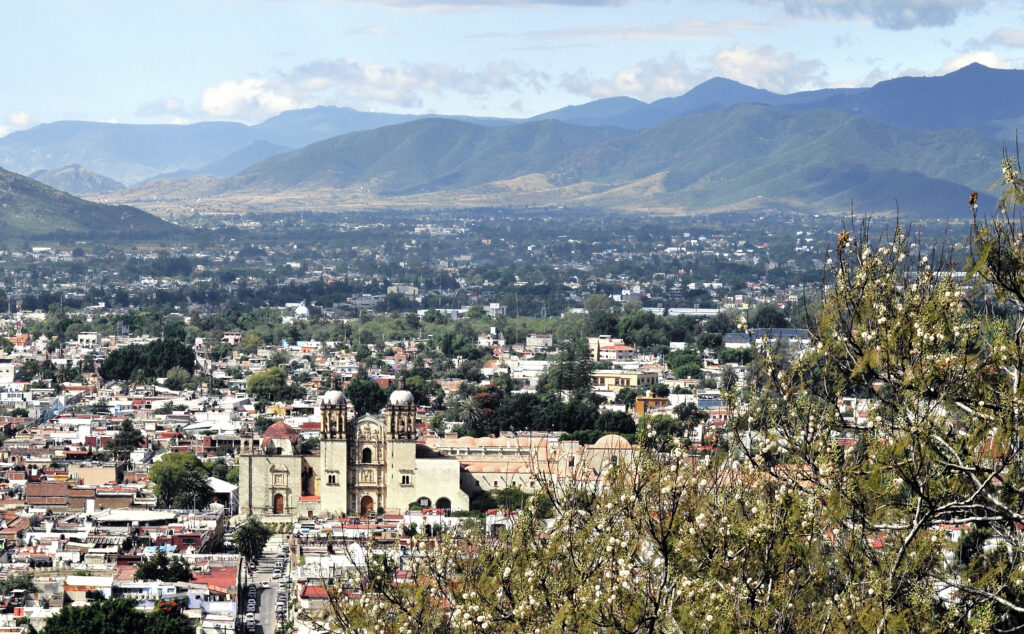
[(527, 462), (367, 465)]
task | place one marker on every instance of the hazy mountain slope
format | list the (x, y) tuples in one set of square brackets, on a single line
[(423, 155), (597, 113), (973, 97), (727, 144), (30, 209), (296, 128), (985, 99), (232, 163), (735, 156), (76, 179), (127, 153)]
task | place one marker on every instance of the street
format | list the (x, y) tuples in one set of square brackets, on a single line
[(266, 598)]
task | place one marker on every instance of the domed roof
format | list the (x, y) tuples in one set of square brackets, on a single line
[(333, 397), (401, 398), (612, 441), (280, 430)]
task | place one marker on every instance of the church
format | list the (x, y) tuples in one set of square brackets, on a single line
[(371, 464)]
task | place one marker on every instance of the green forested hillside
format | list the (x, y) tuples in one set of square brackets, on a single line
[(747, 155), (30, 209)]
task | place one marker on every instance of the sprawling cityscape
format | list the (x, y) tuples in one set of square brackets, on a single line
[(454, 317)]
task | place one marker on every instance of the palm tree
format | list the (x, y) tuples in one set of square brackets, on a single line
[(250, 538), (470, 412)]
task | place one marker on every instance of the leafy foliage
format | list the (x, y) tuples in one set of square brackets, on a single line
[(116, 616), (272, 385), (181, 482), (126, 439), (250, 538), (365, 395), (151, 360), (163, 568)]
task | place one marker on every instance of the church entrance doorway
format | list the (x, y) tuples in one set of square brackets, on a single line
[(444, 503), (278, 504), (366, 505)]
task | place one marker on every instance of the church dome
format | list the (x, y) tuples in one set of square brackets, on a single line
[(401, 398), (280, 431), (612, 441), (333, 398)]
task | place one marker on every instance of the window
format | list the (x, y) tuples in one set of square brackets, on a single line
[(332, 479), (367, 455), (406, 480)]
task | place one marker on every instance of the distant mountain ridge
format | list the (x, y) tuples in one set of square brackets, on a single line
[(32, 210), (743, 157), (76, 179), (990, 101)]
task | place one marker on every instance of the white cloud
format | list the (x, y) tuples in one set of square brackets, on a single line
[(363, 85), (986, 58), (17, 120), (895, 15), (247, 99), (649, 79), (1013, 38), (762, 67)]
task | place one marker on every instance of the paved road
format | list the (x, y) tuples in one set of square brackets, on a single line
[(266, 598)]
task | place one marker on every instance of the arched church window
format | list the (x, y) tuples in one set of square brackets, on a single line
[(367, 455)]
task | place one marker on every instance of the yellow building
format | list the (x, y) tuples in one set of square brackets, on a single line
[(615, 380)]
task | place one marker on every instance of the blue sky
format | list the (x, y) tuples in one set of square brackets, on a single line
[(161, 61)]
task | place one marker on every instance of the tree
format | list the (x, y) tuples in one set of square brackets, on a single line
[(250, 538), (216, 468), (768, 316), (177, 378), (365, 395), (127, 439), (181, 482), (626, 396), (727, 379), (272, 385), (116, 616), (147, 361), (20, 581), (573, 367), (163, 568)]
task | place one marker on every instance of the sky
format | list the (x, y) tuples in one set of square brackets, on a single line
[(185, 61)]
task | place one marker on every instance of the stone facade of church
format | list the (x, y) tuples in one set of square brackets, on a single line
[(366, 465)]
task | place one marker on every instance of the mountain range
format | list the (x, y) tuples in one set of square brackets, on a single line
[(746, 156), (920, 142), (984, 99)]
